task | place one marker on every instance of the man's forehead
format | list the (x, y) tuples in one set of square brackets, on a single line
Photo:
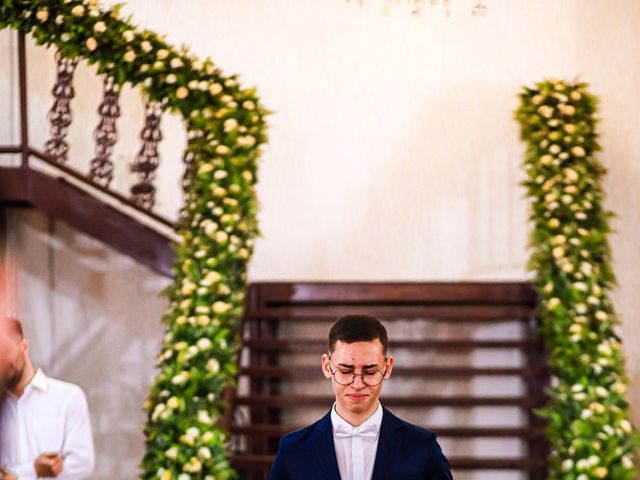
[(358, 350)]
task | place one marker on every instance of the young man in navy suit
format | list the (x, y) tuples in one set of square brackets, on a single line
[(359, 439)]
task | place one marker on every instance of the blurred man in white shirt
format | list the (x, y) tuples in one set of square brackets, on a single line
[(45, 430)]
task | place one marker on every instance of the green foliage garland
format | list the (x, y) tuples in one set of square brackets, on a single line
[(218, 225), (588, 427)]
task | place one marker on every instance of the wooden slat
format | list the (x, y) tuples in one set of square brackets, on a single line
[(414, 401), (501, 293), (271, 430), (441, 313), (457, 463), (307, 345), (309, 372)]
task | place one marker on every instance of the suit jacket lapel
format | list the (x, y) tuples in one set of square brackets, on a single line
[(326, 450), (389, 444)]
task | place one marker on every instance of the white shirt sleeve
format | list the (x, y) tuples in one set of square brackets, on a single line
[(78, 452), (26, 471)]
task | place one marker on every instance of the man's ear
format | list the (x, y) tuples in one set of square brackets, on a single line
[(325, 366), (390, 361), (24, 346)]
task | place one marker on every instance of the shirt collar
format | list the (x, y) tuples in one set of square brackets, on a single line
[(374, 420), (40, 381)]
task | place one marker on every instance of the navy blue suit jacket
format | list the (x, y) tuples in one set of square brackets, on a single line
[(405, 452)]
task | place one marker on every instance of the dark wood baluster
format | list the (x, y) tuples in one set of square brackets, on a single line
[(147, 159), (106, 134), (189, 158), (60, 113)]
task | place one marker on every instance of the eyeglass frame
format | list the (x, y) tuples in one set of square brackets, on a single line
[(361, 374)]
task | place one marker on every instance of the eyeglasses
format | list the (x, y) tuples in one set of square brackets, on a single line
[(370, 377)]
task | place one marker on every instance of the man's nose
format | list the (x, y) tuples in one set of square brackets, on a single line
[(358, 382)]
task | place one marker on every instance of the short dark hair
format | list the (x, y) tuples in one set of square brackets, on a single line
[(357, 328)]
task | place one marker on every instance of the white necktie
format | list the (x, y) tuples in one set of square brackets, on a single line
[(369, 432)]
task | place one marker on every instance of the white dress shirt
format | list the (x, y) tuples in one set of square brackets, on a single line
[(50, 416), (356, 446)]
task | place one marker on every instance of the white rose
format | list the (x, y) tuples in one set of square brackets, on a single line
[(77, 11), (204, 344), (204, 453), (146, 46), (172, 453), (215, 89), (129, 56), (182, 92), (553, 303), (205, 168), (180, 346), (162, 54), (171, 78), (194, 465), (546, 111), (625, 425), (602, 316), (176, 63), (213, 276), (221, 237), (575, 328), (246, 141), (42, 15), (180, 379), (537, 99), (100, 27), (211, 229), (230, 124), (578, 151), (128, 36), (221, 307), (91, 44), (213, 365), (555, 149)]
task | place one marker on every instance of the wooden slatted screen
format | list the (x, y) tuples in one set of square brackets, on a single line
[(468, 366)]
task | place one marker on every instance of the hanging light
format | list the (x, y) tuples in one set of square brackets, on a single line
[(416, 7)]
